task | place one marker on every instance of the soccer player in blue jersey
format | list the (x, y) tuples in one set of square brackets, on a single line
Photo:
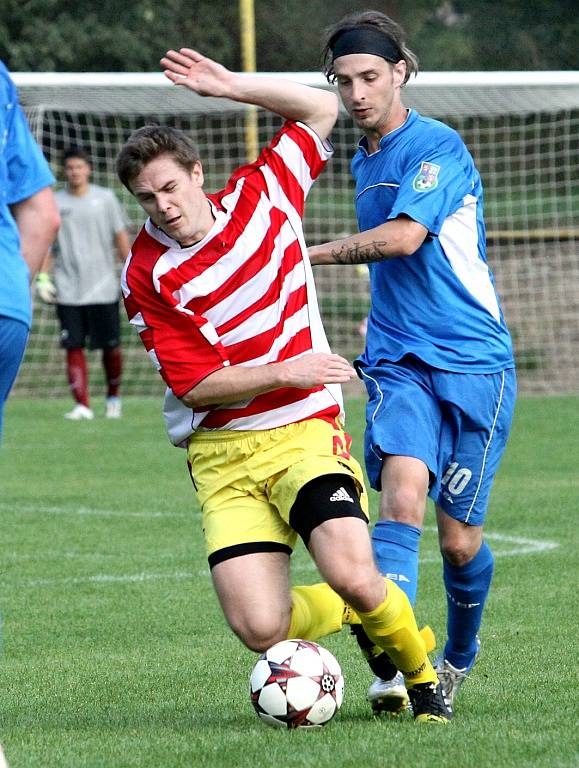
[(438, 363), (29, 221)]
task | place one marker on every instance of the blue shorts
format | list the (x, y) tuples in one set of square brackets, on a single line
[(13, 338), (456, 423)]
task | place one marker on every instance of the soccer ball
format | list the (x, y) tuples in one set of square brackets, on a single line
[(296, 684)]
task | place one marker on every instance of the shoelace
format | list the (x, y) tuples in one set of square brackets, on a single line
[(450, 678), (430, 697)]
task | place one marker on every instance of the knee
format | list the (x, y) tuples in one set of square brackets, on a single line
[(258, 633), (403, 504), (363, 592), (458, 551)]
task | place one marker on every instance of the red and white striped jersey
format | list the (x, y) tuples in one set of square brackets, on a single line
[(243, 295)]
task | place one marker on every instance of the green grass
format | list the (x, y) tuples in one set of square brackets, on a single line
[(115, 653)]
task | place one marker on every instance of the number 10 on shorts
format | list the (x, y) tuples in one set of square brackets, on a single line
[(456, 478)]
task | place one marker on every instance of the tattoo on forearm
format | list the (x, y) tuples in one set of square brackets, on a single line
[(359, 254)]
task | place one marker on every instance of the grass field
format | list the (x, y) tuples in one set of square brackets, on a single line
[(115, 654)]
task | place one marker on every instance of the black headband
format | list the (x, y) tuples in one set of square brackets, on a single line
[(365, 40)]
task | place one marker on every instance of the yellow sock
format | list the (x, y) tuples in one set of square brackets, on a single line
[(426, 633), (316, 611), (393, 627)]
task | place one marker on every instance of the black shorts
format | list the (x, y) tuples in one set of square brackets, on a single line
[(98, 322)]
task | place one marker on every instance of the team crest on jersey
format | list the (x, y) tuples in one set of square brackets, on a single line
[(427, 177)]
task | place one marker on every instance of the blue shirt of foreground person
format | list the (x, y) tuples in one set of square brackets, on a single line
[(29, 221)]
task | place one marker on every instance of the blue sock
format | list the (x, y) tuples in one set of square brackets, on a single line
[(396, 553), (467, 589)]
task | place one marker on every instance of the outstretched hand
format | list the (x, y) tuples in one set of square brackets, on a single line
[(196, 72)]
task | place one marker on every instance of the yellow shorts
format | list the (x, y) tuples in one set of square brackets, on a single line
[(247, 482)]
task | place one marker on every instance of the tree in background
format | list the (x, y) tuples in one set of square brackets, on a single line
[(131, 35), (543, 34)]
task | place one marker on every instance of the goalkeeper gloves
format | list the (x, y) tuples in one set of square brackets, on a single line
[(45, 288)]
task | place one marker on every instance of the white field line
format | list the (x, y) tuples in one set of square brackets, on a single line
[(47, 510), (104, 578), (46, 555), (520, 546)]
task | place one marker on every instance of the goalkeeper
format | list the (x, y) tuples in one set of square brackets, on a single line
[(221, 292), (86, 290), (438, 363)]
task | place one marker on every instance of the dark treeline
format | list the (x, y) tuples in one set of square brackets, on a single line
[(130, 35)]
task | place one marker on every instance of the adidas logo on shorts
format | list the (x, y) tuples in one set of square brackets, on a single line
[(341, 495)]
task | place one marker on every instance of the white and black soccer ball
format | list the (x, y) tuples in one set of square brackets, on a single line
[(296, 684)]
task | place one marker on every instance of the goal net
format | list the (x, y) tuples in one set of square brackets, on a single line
[(522, 129)]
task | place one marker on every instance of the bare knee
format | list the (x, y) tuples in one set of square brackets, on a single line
[(342, 550), (362, 591), (404, 487), (350, 587), (258, 615), (458, 541), (458, 550), (403, 504), (258, 633)]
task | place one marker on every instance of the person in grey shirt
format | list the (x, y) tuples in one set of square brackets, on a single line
[(86, 283)]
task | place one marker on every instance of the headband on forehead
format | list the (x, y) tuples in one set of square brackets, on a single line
[(365, 40)]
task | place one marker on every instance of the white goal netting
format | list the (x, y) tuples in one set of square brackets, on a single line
[(522, 128)]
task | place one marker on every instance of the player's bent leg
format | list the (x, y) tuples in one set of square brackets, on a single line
[(387, 693), (263, 617), (317, 611), (339, 543), (392, 626), (478, 414), (458, 541), (468, 570), (395, 541), (328, 515), (342, 550), (253, 590), (396, 535)]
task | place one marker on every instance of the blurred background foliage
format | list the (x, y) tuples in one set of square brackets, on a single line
[(131, 35)]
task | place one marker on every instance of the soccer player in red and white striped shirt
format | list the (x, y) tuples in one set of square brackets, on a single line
[(220, 289)]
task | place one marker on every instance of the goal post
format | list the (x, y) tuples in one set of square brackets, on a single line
[(521, 127)]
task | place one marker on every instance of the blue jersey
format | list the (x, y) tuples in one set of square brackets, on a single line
[(440, 303), (23, 173)]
